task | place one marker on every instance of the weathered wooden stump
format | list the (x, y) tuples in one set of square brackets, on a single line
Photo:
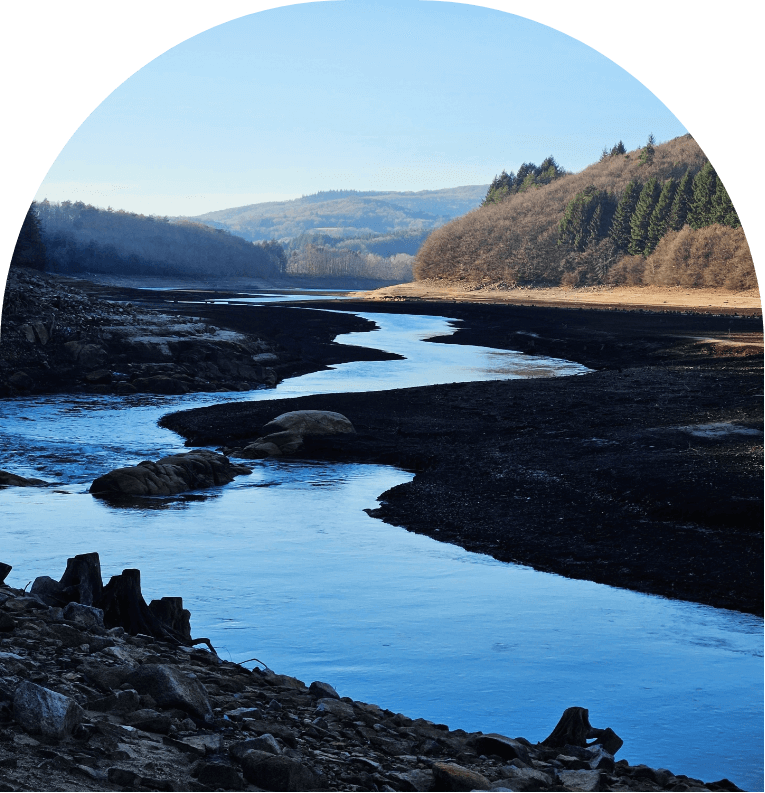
[(170, 612), (574, 729), (4, 570), (82, 580)]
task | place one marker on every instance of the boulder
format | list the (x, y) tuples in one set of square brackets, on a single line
[(172, 688), (7, 479), (335, 707), (322, 690), (506, 748), (40, 710), (47, 589), (524, 779), (310, 422), (87, 617), (22, 381), (200, 468), (265, 743)]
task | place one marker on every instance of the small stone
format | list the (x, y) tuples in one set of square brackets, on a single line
[(449, 776), (580, 780), (279, 773), (122, 777)]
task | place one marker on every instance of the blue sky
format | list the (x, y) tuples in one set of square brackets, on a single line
[(395, 95)]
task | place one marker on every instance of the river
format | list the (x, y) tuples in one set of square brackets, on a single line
[(284, 565)]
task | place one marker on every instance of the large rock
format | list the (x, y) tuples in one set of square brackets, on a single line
[(88, 617), (200, 468), (506, 748), (580, 780), (310, 422), (7, 479), (40, 710), (284, 435), (172, 688), (524, 779)]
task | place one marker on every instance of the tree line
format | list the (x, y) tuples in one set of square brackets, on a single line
[(528, 176), (74, 237)]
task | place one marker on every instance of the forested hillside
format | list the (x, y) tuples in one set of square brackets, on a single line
[(81, 238), (347, 214), (656, 215)]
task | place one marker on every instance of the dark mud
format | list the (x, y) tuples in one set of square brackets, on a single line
[(610, 477)]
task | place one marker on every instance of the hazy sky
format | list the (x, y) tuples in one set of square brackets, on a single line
[(391, 95)]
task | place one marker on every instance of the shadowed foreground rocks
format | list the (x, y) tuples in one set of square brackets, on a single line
[(84, 707)]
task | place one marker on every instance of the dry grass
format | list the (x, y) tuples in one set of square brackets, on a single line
[(516, 242)]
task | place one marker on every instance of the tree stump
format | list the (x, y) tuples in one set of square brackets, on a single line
[(4, 570), (170, 612), (82, 580), (123, 606), (574, 729)]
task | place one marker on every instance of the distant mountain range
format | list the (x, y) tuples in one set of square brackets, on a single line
[(348, 214)]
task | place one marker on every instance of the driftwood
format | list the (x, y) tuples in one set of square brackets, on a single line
[(574, 729), (4, 570)]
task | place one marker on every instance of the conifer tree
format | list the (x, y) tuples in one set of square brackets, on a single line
[(681, 205), (704, 188), (646, 155), (620, 228), (618, 149), (586, 218), (30, 247), (641, 217), (657, 226), (723, 211)]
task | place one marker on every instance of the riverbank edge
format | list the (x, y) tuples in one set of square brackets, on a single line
[(86, 706), (453, 434)]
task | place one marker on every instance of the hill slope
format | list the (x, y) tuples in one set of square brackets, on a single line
[(524, 238), (347, 213)]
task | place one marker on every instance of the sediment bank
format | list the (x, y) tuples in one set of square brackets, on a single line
[(644, 474)]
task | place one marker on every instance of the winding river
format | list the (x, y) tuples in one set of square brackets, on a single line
[(285, 565)]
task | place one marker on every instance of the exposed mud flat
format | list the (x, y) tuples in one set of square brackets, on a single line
[(609, 476)]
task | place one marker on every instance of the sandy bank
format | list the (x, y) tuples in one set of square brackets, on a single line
[(635, 298)]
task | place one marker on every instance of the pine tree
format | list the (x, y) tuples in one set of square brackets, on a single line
[(704, 188), (30, 247), (586, 218), (618, 149), (657, 226), (680, 206), (620, 228), (723, 211), (649, 197), (646, 155)]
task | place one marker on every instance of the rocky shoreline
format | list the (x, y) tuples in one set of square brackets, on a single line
[(89, 702), (62, 335)]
